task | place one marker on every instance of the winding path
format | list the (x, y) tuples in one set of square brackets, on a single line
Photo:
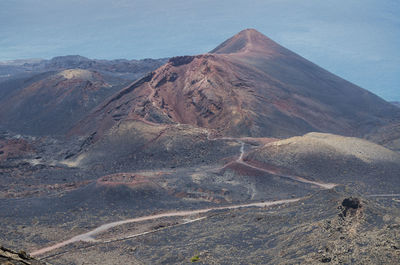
[(89, 236), (292, 177), (325, 186)]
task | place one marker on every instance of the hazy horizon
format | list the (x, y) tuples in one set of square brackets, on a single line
[(358, 40)]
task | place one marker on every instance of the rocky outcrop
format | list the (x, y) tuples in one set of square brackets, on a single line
[(350, 206), (9, 257)]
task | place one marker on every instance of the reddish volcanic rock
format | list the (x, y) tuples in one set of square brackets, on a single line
[(250, 40), (127, 179), (14, 148), (247, 86)]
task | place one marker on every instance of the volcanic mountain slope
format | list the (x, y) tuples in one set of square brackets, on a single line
[(46, 97), (396, 103), (388, 136), (362, 165), (247, 86), (145, 152), (131, 69), (127, 69), (137, 145), (50, 103)]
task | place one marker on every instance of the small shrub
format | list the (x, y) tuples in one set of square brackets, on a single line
[(195, 258)]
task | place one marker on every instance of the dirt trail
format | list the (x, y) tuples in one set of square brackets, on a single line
[(295, 178), (241, 151), (89, 236), (326, 186), (151, 231)]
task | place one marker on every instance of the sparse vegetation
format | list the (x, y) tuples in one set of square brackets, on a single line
[(195, 258)]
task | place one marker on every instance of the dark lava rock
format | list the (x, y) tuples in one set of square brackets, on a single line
[(350, 204), (181, 60), (326, 260)]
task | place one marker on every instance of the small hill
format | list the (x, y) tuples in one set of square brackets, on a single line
[(50, 103), (137, 145), (122, 67), (127, 69), (336, 159)]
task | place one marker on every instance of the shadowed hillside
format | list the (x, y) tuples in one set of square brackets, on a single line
[(365, 166)]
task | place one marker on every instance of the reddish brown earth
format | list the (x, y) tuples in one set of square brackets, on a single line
[(247, 86), (128, 179), (43, 190), (199, 131), (13, 148)]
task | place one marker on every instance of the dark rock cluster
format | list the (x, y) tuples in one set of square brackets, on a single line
[(350, 206), (181, 60)]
